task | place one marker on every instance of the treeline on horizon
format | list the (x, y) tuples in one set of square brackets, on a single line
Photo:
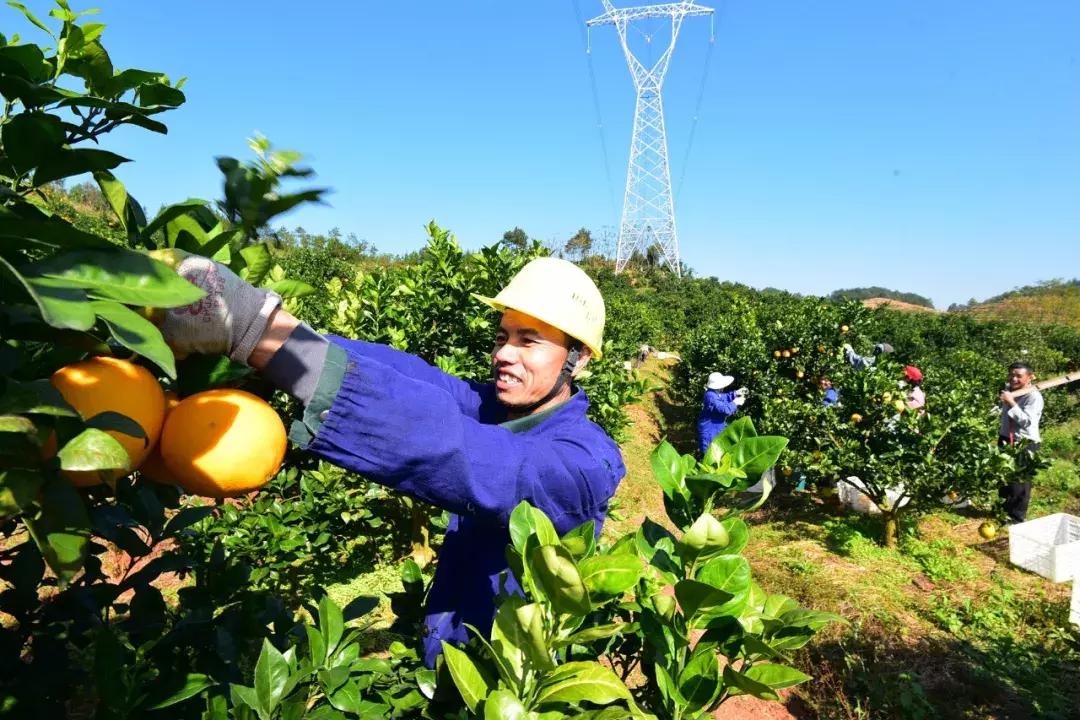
[(88, 205)]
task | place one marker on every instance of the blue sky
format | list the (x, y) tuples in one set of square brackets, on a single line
[(926, 146)]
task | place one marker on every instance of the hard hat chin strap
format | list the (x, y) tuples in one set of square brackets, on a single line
[(567, 372)]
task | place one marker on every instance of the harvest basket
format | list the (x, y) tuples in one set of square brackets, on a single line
[(1048, 546)]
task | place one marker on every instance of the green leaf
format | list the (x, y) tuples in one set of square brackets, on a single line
[(518, 639), (158, 93), (331, 623), (16, 424), (667, 686), (699, 681), (755, 455), (63, 308), (69, 163), (271, 676), (775, 676), (347, 697), (730, 573), (695, 597), (136, 333), (31, 17), (29, 225), (291, 288), (127, 210), (738, 535), (189, 686), (594, 633), (18, 489), (62, 530), (471, 680), (185, 518), (553, 569), (667, 469), (610, 575), (574, 682), (736, 431), (93, 449), (581, 541), (257, 263), (525, 520), (125, 276), (35, 397), (29, 137), (504, 705), (738, 683), (170, 213), (114, 421)]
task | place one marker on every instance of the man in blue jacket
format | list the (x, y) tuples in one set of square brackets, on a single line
[(475, 449)]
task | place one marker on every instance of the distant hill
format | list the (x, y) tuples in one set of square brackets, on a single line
[(867, 293), (1056, 301), (876, 302)]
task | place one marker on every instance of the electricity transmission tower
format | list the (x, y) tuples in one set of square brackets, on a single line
[(648, 216)]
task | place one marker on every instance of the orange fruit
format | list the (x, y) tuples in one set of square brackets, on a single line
[(856, 418), (786, 353), (988, 530), (222, 443), (776, 353), (153, 467), (103, 384)]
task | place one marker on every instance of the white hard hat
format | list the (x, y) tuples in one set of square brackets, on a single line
[(559, 293), (718, 381)]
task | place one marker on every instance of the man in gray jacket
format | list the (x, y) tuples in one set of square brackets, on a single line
[(1020, 415)]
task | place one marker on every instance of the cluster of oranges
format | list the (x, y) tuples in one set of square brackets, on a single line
[(217, 443)]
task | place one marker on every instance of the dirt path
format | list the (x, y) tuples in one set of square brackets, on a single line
[(658, 418)]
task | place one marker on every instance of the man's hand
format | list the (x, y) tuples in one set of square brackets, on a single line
[(229, 320), (1007, 398)]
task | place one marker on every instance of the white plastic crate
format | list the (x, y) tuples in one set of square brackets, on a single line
[(1049, 546)]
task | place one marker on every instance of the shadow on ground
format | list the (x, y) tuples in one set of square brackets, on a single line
[(881, 676)]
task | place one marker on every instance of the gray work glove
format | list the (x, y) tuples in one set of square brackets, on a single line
[(229, 320)]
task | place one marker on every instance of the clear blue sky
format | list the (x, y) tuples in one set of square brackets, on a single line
[(931, 147)]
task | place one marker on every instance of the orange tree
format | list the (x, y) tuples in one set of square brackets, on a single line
[(126, 598), (779, 345), (85, 622)]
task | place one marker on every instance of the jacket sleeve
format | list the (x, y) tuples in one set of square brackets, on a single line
[(857, 361), (411, 435), (1025, 417), (720, 404), (468, 395)]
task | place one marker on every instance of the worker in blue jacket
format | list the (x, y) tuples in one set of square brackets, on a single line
[(475, 449), (717, 408)]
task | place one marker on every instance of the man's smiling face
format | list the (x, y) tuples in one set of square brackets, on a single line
[(528, 356)]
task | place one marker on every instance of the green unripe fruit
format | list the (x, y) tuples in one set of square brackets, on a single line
[(706, 533)]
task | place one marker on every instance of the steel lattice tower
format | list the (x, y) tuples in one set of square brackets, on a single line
[(648, 216)]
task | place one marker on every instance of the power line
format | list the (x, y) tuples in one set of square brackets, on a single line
[(596, 106)]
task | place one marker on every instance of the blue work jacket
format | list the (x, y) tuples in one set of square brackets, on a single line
[(716, 409), (405, 424)]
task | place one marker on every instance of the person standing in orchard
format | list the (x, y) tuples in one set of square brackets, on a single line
[(717, 408), (475, 449), (1020, 415), (916, 398)]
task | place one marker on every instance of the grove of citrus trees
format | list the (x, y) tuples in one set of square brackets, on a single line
[(140, 578)]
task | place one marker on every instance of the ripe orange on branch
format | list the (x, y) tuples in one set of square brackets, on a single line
[(154, 465), (222, 443), (106, 384)]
